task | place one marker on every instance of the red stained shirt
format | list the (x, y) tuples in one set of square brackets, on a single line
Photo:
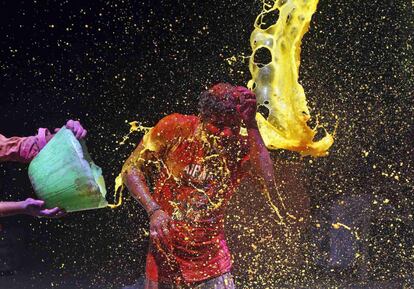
[(22, 149), (195, 179)]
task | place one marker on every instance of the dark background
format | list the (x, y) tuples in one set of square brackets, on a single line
[(110, 62)]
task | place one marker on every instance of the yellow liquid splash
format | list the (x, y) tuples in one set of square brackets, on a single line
[(276, 83), (119, 185)]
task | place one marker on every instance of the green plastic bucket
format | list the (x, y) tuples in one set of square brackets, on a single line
[(64, 176)]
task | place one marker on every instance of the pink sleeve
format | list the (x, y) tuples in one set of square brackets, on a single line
[(22, 149)]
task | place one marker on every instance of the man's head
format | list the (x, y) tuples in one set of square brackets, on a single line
[(218, 109)]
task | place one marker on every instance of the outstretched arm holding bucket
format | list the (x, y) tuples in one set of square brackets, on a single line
[(24, 149)]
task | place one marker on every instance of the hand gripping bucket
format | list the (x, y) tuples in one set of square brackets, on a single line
[(64, 175)]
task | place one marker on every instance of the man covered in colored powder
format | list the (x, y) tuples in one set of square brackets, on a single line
[(24, 149), (194, 164)]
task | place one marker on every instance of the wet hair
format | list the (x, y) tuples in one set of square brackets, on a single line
[(219, 99)]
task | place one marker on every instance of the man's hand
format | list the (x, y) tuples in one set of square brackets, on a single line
[(36, 208), (247, 107), (76, 127), (160, 225)]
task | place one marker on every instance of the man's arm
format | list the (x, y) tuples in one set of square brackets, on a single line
[(134, 179), (149, 149), (136, 183), (24, 149), (263, 166), (11, 208), (29, 207), (259, 155)]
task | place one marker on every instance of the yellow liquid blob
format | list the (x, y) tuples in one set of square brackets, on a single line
[(276, 83)]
